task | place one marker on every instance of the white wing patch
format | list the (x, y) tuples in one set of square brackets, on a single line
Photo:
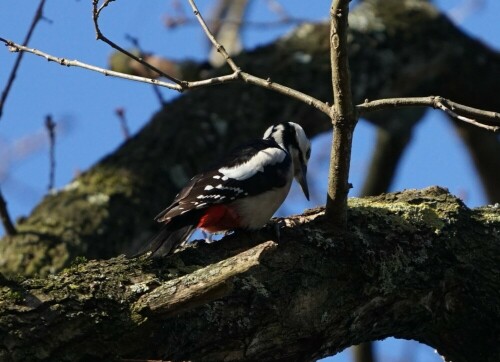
[(229, 188), (267, 157)]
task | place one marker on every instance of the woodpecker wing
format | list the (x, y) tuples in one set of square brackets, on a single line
[(247, 171), (165, 215)]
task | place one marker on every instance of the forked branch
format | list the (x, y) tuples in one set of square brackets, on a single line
[(477, 117), (14, 47), (249, 78), (96, 12)]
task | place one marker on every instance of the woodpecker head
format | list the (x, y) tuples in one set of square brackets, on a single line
[(291, 137)]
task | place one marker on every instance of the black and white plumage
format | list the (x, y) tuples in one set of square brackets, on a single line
[(242, 191)]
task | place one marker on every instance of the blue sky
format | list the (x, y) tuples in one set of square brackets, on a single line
[(83, 103)]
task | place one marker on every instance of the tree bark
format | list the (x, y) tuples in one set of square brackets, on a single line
[(415, 264)]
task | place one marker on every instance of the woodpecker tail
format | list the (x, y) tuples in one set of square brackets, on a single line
[(167, 240)]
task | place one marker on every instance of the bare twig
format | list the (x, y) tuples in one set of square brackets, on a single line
[(156, 90), (8, 226), (342, 115), (265, 83), (269, 84), (179, 85), (227, 33), (453, 109), (249, 78), (212, 39), (14, 47), (36, 18), (50, 125), (120, 113), (99, 36), (451, 113)]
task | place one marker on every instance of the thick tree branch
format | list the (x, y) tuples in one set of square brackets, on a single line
[(416, 264), (200, 286)]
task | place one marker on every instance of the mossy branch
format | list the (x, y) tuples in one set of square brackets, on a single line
[(417, 265)]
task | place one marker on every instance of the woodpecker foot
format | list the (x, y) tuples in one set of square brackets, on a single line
[(277, 226), (273, 229)]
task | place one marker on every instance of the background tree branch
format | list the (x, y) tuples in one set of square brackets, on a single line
[(414, 264)]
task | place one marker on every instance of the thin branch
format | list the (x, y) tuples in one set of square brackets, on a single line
[(36, 18), (120, 113), (265, 83), (227, 33), (249, 78), (14, 47), (342, 115), (269, 84), (179, 85), (212, 39), (341, 79), (464, 113), (7, 223), (453, 109), (50, 125), (99, 36), (4, 213), (156, 89)]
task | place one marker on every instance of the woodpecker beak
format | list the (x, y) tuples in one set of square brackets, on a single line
[(302, 180)]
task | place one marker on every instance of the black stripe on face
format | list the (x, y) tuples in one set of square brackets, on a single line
[(290, 138), (287, 136)]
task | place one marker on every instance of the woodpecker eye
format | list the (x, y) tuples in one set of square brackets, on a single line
[(308, 153)]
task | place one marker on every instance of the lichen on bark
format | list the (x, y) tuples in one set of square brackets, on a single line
[(416, 264)]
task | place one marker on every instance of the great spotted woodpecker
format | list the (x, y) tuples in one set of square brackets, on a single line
[(241, 192)]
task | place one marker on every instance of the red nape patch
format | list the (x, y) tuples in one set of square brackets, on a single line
[(219, 218)]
